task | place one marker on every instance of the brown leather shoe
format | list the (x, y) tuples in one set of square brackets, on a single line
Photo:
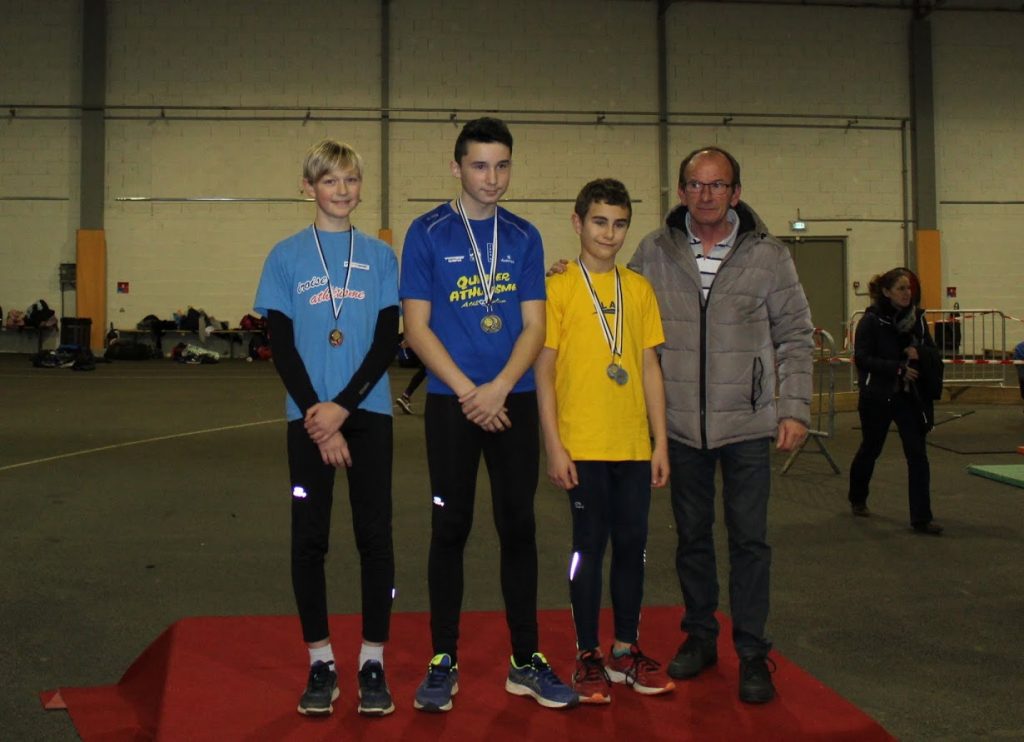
[(931, 528)]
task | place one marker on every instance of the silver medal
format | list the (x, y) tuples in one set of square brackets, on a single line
[(612, 335)]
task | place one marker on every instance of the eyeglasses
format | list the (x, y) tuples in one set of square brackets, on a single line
[(717, 188)]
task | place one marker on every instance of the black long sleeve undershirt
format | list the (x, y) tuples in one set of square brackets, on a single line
[(289, 364), (375, 363), (295, 376)]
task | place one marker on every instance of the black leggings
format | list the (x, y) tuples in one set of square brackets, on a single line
[(415, 381), (369, 437), (512, 456), (613, 500)]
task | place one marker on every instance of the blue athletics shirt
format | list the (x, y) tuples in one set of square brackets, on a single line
[(438, 266), (293, 282)]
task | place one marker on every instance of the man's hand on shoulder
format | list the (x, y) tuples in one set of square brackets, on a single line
[(559, 266)]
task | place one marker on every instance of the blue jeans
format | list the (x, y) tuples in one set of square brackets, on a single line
[(746, 479), (613, 499)]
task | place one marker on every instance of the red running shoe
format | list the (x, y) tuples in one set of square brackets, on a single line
[(639, 672), (590, 681)]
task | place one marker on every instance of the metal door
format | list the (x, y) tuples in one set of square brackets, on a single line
[(821, 265)]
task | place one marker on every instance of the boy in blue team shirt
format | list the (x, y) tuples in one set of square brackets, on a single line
[(473, 304), (330, 296)]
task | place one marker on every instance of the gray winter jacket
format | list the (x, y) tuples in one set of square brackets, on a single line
[(722, 357)]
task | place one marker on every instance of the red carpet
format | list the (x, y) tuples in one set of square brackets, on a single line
[(239, 678)]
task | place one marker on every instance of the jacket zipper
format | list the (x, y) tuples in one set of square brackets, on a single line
[(703, 343), (704, 369)]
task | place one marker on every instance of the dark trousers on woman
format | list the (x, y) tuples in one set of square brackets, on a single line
[(512, 456), (746, 486), (369, 437), (415, 381), (612, 499), (875, 418)]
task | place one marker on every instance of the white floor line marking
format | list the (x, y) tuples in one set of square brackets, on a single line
[(126, 444)]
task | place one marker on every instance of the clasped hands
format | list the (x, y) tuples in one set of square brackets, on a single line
[(323, 423), (484, 405)]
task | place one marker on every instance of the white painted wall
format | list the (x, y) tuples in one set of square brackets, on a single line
[(773, 65), (979, 139), (39, 64)]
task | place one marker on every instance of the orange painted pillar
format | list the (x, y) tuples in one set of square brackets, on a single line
[(384, 234), (91, 282), (929, 267)]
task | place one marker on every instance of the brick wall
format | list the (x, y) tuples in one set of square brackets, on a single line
[(979, 153), (777, 85), (39, 64)]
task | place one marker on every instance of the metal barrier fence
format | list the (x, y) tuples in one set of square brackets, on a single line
[(823, 401), (972, 343)]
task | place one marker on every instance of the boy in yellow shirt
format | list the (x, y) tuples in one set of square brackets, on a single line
[(602, 401)]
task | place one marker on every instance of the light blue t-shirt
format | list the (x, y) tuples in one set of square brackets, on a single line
[(438, 266), (293, 282)]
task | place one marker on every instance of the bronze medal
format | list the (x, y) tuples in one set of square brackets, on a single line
[(335, 336)]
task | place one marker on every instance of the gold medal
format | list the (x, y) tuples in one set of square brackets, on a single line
[(491, 323), (335, 338)]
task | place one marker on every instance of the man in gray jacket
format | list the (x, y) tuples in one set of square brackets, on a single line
[(737, 329)]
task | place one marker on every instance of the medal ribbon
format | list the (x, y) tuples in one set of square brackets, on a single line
[(486, 281), (336, 305), (614, 340)]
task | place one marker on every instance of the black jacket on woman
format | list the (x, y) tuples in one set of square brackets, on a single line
[(881, 362)]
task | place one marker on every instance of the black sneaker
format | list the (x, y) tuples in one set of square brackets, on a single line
[(321, 690), (694, 655), (756, 679), (930, 528), (860, 509), (374, 696)]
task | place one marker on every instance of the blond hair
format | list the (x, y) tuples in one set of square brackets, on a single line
[(328, 155)]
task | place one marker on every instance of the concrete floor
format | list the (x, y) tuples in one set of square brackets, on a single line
[(176, 505)]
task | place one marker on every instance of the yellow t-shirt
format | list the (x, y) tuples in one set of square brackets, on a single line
[(599, 420)]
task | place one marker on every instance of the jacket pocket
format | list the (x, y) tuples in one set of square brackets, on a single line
[(756, 382)]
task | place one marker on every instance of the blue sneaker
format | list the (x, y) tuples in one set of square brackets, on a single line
[(442, 682), (537, 679)]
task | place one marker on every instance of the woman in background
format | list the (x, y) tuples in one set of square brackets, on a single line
[(899, 374)]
